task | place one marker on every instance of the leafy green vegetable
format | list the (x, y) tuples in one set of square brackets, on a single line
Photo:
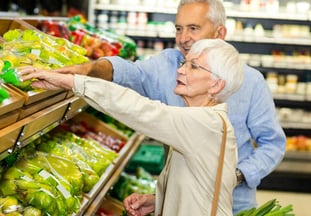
[(269, 208)]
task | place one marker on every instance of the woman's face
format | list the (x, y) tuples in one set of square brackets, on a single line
[(194, 80)]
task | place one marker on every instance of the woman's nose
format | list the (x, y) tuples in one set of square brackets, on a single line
[(181, 70)]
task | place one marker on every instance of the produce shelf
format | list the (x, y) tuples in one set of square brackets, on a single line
[(111, 176), (27, 129)]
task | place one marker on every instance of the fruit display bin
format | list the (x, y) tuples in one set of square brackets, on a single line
[(10, 107), (38, 99), (7, 24), (25, 130), (111, 206), (92, 200), (34, 100), (99, 125)]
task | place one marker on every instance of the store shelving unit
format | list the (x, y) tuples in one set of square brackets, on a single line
[(26, 130), (26, 116), (256, 51), (241, 41)]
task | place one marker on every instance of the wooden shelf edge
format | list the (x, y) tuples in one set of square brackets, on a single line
[(12, 135), (113, 175)]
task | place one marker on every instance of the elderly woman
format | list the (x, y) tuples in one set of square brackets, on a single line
[(211, 72)]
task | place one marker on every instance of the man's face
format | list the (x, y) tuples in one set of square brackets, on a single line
[(192, 25)]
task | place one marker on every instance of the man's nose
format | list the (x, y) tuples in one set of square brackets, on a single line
[(184, 36)]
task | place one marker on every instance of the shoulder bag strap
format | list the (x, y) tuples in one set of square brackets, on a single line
[(219, 168)]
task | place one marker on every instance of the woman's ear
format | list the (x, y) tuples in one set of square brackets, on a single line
[(217, 87)]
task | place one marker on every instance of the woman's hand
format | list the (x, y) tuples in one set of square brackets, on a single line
[(139, 204), (46, 79)]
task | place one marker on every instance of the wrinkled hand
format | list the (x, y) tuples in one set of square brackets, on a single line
[(46, 79), (139, 204)]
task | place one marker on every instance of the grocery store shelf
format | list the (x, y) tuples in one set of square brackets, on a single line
[(8, 14), (232, 11), (282, 14), (268, 39), (298, 156), (296, 125), (30, 128), (137, 8), (295, 166), (233, 38), (292, 97), (293, 174), (19, 134)]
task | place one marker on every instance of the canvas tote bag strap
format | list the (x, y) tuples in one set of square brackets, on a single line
[(167, 166), (219, 168)]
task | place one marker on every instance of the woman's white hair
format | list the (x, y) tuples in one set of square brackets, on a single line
[(224, 60)]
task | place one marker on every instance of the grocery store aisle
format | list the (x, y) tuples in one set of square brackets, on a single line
[(300, 201)]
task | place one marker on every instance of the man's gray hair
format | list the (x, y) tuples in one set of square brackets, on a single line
[(216, 13)]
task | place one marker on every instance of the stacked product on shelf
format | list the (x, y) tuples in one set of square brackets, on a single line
[(46, 168), (59, 165), (29, 47), (96, 41), (272, 36), (125, 130), (53, 173)]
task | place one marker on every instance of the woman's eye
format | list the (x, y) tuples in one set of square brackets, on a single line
[(180, 64), (194, 66)]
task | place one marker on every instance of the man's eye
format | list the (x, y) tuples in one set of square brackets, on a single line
[(194, 28), (178, 29)]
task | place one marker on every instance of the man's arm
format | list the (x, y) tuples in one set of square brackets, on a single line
[(100, 68)]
